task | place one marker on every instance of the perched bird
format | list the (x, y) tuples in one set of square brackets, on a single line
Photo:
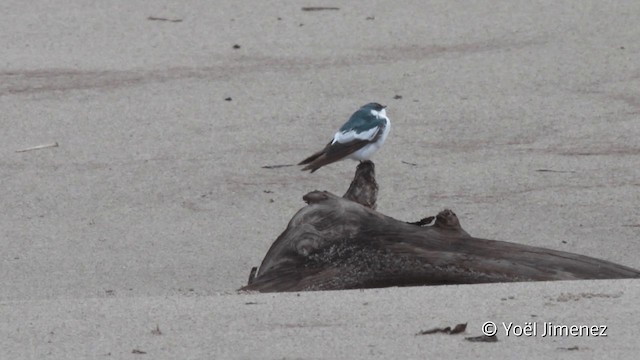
[(358, 139)]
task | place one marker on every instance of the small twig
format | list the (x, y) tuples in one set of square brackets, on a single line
[(575, 347), (319, 8), (276, 166), (153, 18), (38, 147), (428, 221), (408, 163), (156, 331), (482, 338), (555, 171), (460, 328)]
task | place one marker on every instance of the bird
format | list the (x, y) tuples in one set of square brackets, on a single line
[(358, 139)]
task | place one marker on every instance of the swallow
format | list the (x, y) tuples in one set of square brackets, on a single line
[(358, 139)]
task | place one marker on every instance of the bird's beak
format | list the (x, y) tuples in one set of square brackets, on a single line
[(384, 106)]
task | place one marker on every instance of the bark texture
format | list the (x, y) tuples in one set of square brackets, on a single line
[(338, 243)]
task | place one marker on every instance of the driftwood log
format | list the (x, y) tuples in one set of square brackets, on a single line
[(343, 243)]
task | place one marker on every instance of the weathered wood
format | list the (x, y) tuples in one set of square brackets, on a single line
[(363, 188), (343, 243)]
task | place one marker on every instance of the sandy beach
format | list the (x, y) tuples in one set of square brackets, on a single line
[(135, 199)]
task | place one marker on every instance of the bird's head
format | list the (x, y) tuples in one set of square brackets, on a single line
[(375, 109)]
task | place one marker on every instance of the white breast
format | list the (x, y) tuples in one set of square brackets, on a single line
[(368, 150)]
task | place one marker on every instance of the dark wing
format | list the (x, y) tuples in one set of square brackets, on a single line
[(332, 153), (337, 151), (311, 158)]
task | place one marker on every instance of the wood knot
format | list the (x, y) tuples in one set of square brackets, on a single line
[(445, 220), (315, 197)]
